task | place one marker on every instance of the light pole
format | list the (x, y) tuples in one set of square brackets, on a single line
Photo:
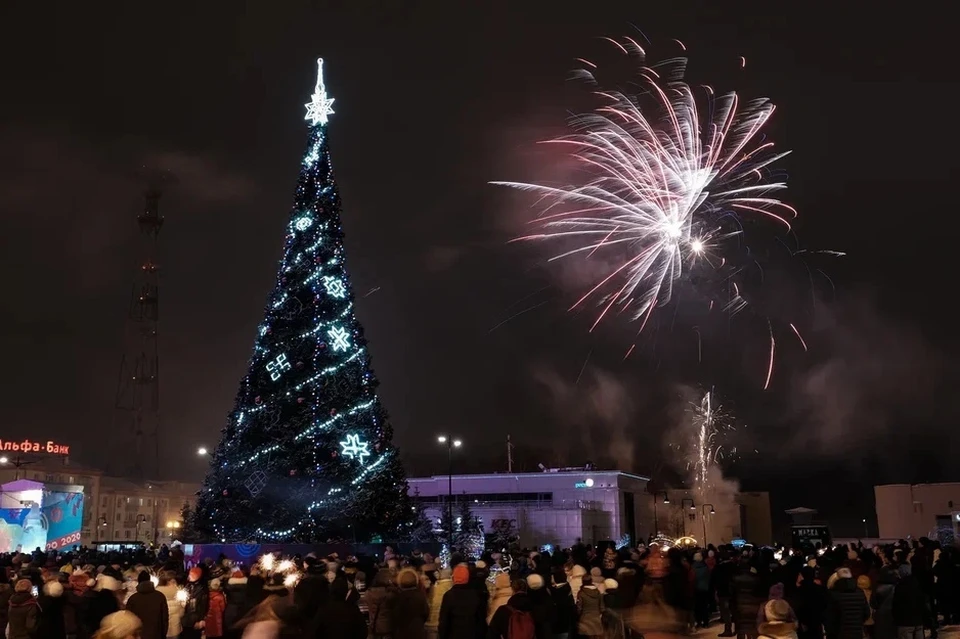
[(703, 520), (172, 526), (866, 533), (693, 506), (451, 444), (666, 500)]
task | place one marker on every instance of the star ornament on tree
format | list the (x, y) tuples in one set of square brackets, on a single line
[(354, 448), (320, 107), (340, 338)]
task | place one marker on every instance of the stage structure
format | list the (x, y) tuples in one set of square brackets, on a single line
[(37, 515)]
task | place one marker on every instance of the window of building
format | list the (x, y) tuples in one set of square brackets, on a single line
[(119, 501), (147, 517), (103, 502), (126, 534), (118, 516), (128, 500), (149, 502), (49, 478), (71, 479), (141, 502)]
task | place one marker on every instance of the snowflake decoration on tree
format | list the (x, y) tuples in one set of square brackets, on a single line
[(340, 338), (303, 223), (320, 107), (335, 287), (256, 482), (354, 448)]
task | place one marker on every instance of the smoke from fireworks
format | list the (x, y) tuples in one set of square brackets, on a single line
[(667, 190)]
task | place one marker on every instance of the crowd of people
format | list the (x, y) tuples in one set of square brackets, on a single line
[(893, 592)]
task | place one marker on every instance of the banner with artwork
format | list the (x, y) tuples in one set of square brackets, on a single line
[(52, 524), (63, 515)]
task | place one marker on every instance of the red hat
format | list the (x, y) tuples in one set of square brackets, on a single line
[(461, 574), (195, 574)]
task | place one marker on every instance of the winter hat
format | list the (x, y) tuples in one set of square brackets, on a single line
[(710, 553), (67, 569), (698, 557), (407, 578), (143, 576), (778, 611), (119, 625), (481, 565), (237, 574), (195, 574), (844, 573), (863, 582), (53, 589), (610, 584), (106, 582), (534, 581), (461, 574), (578, 571), (214, 584), (851, 555), (23, 585), (597, 574), (446, 573), (502, 580)]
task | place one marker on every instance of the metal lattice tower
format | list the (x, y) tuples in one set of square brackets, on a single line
[(138, 389)]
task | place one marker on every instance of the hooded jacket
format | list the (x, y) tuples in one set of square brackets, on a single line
[(151, 607), (24, 616), (501, 594), (439, 589), (51, 602), (500, 624)]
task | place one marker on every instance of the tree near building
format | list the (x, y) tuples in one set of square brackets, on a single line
[(306, 453)]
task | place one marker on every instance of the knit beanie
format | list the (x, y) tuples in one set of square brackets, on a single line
[(461, 574)]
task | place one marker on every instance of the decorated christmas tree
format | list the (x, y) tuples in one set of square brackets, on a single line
[(306, 454)]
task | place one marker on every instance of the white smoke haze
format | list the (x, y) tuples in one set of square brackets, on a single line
[(599, 414), (878, 370)]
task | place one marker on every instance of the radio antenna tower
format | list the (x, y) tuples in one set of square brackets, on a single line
[(138, 389)]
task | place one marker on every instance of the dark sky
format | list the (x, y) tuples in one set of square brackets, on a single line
[(434, 100)]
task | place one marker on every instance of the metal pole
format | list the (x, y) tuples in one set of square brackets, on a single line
[(656, 523), (450, 492)]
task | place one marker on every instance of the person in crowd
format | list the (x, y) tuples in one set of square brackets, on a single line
[(119, 625), (51, 621), (167, 586), (589, 609), (150, 606), (746, 599), (701, 591), (197, 605), (463, 610), (515, 619), (565, 606), (105, 599), (6, 592), (380, 598), (779, 621), (23, 613), (910, 606), (501, 594), (213, 626), (443, 585), (810, 604), (847, 607), (410, 607), (544, 610), (337, 618), (235, 593)]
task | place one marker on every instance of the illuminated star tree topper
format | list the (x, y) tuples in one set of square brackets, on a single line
[(320, 106)]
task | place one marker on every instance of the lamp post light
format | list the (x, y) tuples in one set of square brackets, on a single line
[(703, 520), (451, 443), (202, 451), (866, 533), (666, 500), (693, 506)]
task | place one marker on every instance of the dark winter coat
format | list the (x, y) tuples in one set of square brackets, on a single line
[(101, 604), (500, 623), (810, 605), (847, 610), (909, 607), (590, 606), (544, 612), (410, 612), (237, 607), (463, 614), (5, 593), (722, 578), (75, 613), (701, 576), (24, 616), (566, 609), (380, 607), (51, 622), (151, 607), (338, 619), (747, 595), (255, 590), (884, 626), (198, 604), (311, 593)]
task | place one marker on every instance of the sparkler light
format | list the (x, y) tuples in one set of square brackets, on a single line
[(669, 182)]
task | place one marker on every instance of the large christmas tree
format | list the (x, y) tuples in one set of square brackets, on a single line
[(306, 454)]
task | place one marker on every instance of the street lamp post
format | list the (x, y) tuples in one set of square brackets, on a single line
[(451, 444), (693, 506), (703, 520), (866, 533), (656, 522)]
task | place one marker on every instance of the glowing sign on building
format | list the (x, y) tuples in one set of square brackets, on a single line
[(28, 446)]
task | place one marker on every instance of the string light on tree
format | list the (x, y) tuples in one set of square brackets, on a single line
[(292, 442), (339, 337), (355, 449), (277, 366), (335, 287)]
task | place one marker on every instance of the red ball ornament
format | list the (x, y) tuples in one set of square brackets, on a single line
[(333, 411), (333, 453), (322, 344), (269, 330), (300, 400), (226, 492), (257, 400), (292, 472)]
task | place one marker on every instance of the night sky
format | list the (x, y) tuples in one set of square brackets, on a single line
[(433, 101)]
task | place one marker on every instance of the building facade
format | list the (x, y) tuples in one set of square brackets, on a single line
[(148, 512), (715, 518), (918, 510), (114, 509), (556, 507)]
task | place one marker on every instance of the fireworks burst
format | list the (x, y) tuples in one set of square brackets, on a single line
[(710, 421), (669, 187)]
